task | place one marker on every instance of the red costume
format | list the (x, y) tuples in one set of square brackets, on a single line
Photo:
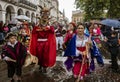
[(68, 36), (70, 33), (43, 45)]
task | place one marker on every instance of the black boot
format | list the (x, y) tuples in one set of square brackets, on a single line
[(18, 80), (40, 69), (12, 80), (44, 70)]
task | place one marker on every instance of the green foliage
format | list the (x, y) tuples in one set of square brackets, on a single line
[(95, 8)]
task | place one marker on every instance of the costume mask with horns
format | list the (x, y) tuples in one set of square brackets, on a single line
[(45, 13)]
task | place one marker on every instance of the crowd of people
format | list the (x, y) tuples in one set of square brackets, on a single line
[(79, 42)]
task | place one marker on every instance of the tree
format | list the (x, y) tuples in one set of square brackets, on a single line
[(95, 8), (113, 8)]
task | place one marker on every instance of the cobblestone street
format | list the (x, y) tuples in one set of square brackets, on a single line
[(59, 40), (59, 74)]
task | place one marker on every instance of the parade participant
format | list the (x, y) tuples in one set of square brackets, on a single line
[(14, 54), (43, 43), (24, 32), (113, 47), (80, 59), (59, 37), (97, 35), (71, 31)]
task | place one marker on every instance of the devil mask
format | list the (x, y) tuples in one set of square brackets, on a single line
[(45, 13)]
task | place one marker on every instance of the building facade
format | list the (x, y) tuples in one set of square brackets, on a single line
[(77, 16), (9, 9)]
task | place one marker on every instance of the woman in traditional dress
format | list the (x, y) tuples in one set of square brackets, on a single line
[(80, 53), (71, 31)]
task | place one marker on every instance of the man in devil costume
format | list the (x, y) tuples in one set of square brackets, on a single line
[(43, 43)]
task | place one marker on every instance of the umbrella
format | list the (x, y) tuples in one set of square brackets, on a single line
[(111, 23), (15, 21), (22, 17)]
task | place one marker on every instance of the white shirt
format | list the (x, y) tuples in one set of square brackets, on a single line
[(80, 43), (12, 44)]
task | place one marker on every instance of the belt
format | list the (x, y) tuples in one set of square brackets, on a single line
[(42, 39)]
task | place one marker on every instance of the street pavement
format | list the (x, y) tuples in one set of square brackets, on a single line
[(58, 73)]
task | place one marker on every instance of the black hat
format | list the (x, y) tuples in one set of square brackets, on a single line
[(10, 35)]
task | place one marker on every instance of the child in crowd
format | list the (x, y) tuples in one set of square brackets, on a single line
[(14, 53)]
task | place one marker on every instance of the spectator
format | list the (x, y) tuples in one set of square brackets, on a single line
[(1, 33), (113, 47)]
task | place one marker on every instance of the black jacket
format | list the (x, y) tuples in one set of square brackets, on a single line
[(113, 45)]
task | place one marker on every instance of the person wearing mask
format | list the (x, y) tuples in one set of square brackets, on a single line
[(43, 42), (59, 37)]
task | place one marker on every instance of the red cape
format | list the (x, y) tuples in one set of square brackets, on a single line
[(51, 58)]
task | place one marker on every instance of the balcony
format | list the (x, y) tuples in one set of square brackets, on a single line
[(11, 1), (27, 4), (22, 3)]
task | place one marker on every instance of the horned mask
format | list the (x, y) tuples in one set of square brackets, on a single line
[(45, 15)]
